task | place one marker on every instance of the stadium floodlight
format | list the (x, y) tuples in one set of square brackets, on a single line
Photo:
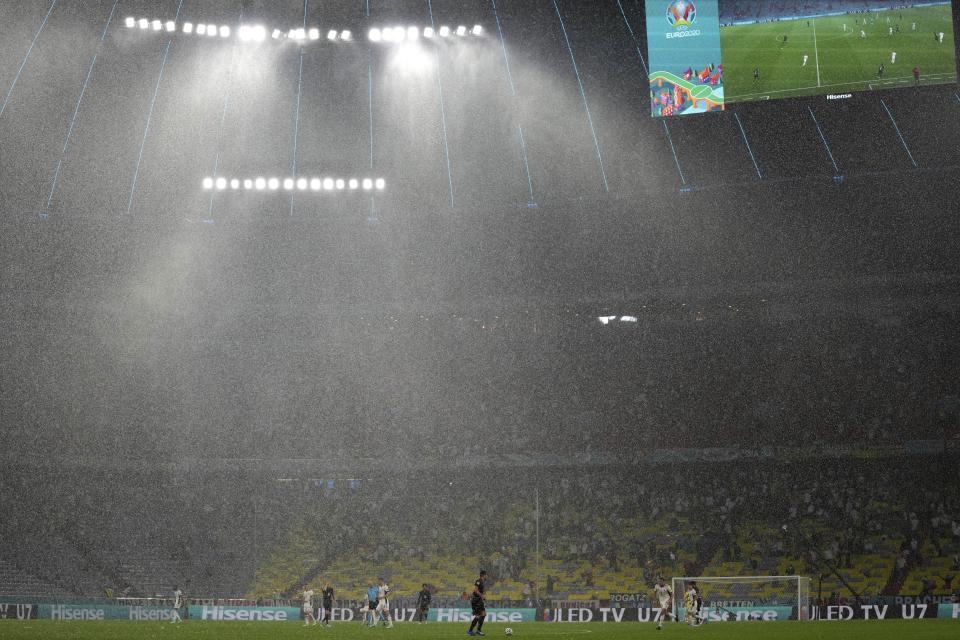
[(346, 36), (298, 34), (331, 35), (367, 184), (328, 184), (399, 34), (157, 25), (302, 184), (258, 33), (188, 27), (277, 34), (341, 184), (260, 184), (477, 30), (461, 31), (381, 184), (288, 184), (248, 184), (212, 30), (314, 34), (273, 184), (354, 184), (388, 34), (375, 35), (171, 26), (143, 23), (413, 33), (444, 31), (234, 184), (244, 33), (429, 32), (316, 184), (224, 32), (131, 22), (201, 29), (221, 184), (208, 183)]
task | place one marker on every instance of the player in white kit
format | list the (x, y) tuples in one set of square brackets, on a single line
[(308, 608), (663, 595), (805, 58), (177, 605), (893, 57), (383, 604)]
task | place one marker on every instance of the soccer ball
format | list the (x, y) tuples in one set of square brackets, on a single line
[(508, 631)]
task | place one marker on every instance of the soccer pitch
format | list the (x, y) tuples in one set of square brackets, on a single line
[(122, 630), (838, 61)]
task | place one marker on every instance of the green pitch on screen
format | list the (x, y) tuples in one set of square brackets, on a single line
[(838, 60)]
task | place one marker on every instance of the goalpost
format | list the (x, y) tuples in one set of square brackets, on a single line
[(746, 597)]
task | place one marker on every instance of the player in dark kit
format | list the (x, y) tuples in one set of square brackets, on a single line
[(478, 605), (327, 595), (423, 603), (756, 73)]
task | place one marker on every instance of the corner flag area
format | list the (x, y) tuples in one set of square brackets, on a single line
[(839, 58)]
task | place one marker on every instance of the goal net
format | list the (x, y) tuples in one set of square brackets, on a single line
[(739, 598)]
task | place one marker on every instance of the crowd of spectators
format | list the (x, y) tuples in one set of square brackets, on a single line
[(768, 10)]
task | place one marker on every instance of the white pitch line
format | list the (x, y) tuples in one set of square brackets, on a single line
[(816, 51)]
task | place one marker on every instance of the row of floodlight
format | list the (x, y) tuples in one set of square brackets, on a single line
[(401, 34), (290, 184), (259, 33)]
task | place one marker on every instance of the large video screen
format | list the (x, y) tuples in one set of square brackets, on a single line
[(707, 54)]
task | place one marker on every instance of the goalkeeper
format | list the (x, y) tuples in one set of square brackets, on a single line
[(693, 602)]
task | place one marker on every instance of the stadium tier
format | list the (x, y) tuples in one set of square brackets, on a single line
[(844, 529)]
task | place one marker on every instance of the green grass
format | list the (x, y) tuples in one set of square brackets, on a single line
[(122, 630), (846, 62)]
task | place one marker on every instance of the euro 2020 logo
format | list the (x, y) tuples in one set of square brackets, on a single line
[(681, 13)]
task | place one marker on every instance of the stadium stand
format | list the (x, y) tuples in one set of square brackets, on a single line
[(623, 532), (768, 10)]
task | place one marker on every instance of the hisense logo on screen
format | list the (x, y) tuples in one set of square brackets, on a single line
[(681, 13)]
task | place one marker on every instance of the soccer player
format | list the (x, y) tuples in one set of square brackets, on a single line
[(891, 30), (916, 75), (863, 34), (756, 73), (692, 602), (328, 602), (178, 600), (478, 605), (914, 27), (893, 57), (880, 71), (940, 37), (805, 58), (372, 593), (383, 604), (664, 595), (423, 603), (307, 605)]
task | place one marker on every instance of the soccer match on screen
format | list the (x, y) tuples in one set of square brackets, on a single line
[(433, 319)]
